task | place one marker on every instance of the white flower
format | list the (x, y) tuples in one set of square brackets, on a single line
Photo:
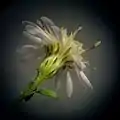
[(46, 33)]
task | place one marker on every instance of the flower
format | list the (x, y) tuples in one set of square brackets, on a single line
[(57, 41)]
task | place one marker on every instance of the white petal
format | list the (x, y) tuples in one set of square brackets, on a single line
[(37, 32), (27, 52), (47, 24), (56, 32), (82, 77), (33, 38), (83, 66), (26, 48), (29, 46), (29, 23), (78, 61), (39, 23), (80, 64), (85, 79), (57, 81), (34, 30), (69, 85), (47, 21), (64, 34)]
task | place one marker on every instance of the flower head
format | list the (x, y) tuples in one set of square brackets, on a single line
[(59, 46)]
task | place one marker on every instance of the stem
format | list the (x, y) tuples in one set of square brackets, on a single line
[(38, 81), (32, 87)]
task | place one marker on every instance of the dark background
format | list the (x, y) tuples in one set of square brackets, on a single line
[(108, 12)]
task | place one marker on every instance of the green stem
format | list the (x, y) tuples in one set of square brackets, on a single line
[(38, 81), (32, 87)]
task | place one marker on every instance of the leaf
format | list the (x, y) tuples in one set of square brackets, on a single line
[(47, 92)]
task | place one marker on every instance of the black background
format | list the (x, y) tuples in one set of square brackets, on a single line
[(109, 12)]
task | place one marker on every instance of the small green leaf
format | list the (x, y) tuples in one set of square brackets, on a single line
[(47, 92)]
